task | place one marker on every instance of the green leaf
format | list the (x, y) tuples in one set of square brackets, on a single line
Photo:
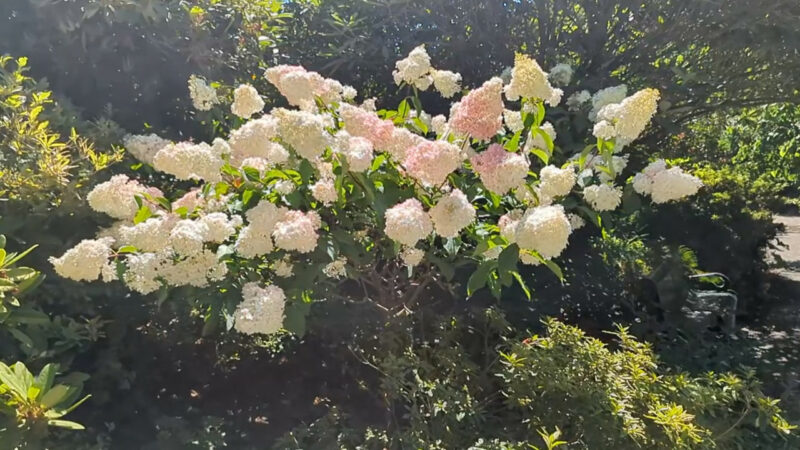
[(555, 269), (246, 196), (512, 144), (295, 318), (508, 259), (522, 284), (126, 249), (55, 395), (45, 378), (12, 381), (479, 278), (164, 203), (68, 424), (143, 214), (17, 257)]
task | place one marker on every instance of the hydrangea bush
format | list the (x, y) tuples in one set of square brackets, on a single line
[(297, 200)]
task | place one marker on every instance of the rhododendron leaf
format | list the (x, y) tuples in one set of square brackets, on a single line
[(546, 137), (230, 170), (182, 212), (306, 171)]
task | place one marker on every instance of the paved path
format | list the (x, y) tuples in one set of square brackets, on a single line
[(773, 342), (791, 253)]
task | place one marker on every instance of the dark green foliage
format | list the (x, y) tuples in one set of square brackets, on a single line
[(475, 383)]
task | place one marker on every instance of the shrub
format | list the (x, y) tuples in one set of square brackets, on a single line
[(321, 207), (40, 167), (475, 383)]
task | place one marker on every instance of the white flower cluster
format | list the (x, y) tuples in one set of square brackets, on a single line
[(555, 182), (664, 185), (301, 87), (297, 231), (416, 70), (530, 81), (607, 96), (203, 96), (145, 146), (189, 161), (246, 101), (117, 196), (85, 261), (544, 229), (304, 131), (261, 310), (407, 222), (626, 120), (561, 74), (254, 142), (603, 197), (336, 269), (357, 151), (452, 214), (513, 120), (411, 256), (576, 101)]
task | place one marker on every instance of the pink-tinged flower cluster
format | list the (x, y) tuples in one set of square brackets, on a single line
[(297, 231), (362, 123), (300, 86), (357, 151), (500, 170), (400, 142), (407, 222), (430, 162), (480, 113)]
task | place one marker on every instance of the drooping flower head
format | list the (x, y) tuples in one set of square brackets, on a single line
[(144, 147)]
